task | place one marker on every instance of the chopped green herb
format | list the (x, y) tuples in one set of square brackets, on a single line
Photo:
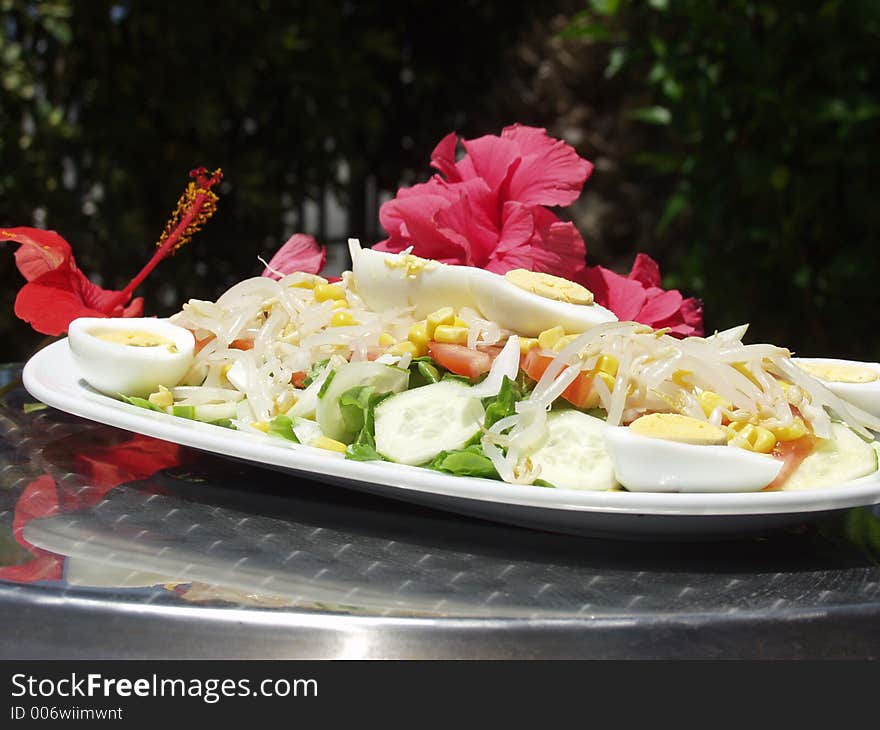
[(141, 403), (282, 426)]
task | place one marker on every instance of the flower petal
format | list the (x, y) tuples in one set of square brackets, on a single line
[(443, 157), (550, 172), (560, 248), (492, 158), (625, 297), (39, 251), (645, 270), (52, 301), (413, 221), (299, 253), (660, 305)]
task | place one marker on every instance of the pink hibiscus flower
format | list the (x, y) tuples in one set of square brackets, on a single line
[(639, 297), (488, 209)]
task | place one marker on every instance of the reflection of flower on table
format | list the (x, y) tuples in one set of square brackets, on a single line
[(101, 467)]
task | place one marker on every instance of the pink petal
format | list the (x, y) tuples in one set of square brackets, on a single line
[(491, 158), (443, 157), (660, 305), (560, 247), (550, 173), (645, 270), (517, 227), (300, 253), (471, 217), (416, 216), (621, 295)]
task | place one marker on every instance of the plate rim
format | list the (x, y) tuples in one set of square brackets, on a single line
[(51, 377)]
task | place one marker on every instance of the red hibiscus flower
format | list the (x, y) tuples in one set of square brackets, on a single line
[(638, 297), (57, 292), (488, 209)]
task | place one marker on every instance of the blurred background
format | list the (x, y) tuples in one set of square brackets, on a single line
[(737, 142)]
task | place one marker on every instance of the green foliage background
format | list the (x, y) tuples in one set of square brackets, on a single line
[(737, 142)]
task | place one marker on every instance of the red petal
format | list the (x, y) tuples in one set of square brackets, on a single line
[(443, 157), (299, 253), (51, 302), (551, 171), (39, 251), (645, 270)]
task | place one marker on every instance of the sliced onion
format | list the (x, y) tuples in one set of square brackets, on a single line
[(506, 365)]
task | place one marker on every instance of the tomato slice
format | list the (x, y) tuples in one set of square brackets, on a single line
[(298, 379), (459, 359), (580, 393), (792, 454), (241, 345)]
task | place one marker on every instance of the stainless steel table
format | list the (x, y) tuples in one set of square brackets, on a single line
[(119, 545)]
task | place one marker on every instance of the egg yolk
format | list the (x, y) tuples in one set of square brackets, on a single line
[(549, 286), (834, 373), (136, 338), (675, 427)]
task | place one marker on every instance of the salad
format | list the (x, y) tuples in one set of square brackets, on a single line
[(520, 378)]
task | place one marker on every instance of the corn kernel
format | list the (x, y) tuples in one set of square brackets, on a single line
[(342, 318), (562, 342), (792, 431), (386, 339), (550, 337), (163, 398), (680, 377), (323, 292), (444, 315), (328, 444), (709, 401), (339, 303), (459, 322), (261, 426), (742, 368), (412, 348), (418, 334), (309, 282), (526, 344), (608, 364), (606, 378), (451, 335), (751, 437)]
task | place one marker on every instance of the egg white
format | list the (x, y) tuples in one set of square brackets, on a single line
[(384, 281), (117, 369), (862, 395), (646, 464)]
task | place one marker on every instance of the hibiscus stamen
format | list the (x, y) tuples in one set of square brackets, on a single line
[(197, 204)]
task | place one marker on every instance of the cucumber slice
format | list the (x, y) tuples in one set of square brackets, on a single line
[(215, 411), (414, 426), (572, 455), (834, 461), (384, 378)]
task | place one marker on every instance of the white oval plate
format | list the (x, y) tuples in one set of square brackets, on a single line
[(51, 377)]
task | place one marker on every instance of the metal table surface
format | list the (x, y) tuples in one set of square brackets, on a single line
[(116, 545)]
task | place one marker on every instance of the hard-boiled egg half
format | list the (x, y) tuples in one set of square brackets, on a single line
[(130, 356), (668, 452), (855, 382), (522, 301)]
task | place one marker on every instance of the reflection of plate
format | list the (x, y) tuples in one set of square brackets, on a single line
[(51, 377)]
